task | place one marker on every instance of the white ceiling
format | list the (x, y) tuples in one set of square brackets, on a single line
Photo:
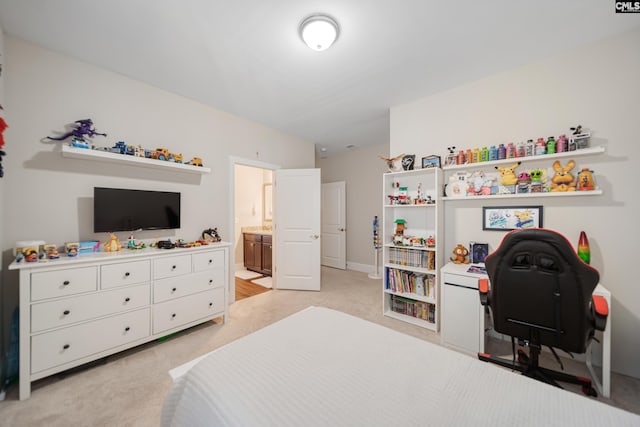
[(245, 56)]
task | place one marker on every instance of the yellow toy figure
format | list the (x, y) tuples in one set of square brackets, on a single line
[(563, 180), (508, 174), (460, 253), (585, 180), (113, 244)]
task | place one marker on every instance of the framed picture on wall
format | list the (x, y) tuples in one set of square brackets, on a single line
[(503, 218), (431, 162)]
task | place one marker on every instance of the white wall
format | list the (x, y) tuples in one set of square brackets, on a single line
[(362, 171), (49, 197), (597, 87)]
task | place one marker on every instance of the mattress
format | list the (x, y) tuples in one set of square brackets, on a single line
[(321, 367)]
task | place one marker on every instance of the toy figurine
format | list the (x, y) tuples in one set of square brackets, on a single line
[(196, 161), (84, 128), (51, 251), (113, 244), (211, 235), (508, 174), (585, 180), (563, 180), (460, 253)]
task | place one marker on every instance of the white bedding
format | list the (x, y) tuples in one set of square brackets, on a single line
[(321, 367)]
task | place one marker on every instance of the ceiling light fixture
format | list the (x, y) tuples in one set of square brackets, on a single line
[(319, 32)]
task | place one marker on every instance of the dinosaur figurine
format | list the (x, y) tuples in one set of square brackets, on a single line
[(84, 128)]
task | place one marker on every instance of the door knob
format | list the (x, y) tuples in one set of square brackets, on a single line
[(314, 236), (341, 229)]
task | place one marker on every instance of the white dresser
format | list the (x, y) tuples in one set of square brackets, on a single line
[(75, 310)]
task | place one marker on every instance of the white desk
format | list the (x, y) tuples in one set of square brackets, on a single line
[(463, 320)]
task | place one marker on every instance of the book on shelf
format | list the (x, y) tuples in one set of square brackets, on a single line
[(412, 258), (409, 282), (409, 307)]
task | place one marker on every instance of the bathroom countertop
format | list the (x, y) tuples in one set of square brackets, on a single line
[(257, 229)]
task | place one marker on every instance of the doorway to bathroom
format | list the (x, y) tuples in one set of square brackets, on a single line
[(253, 218)]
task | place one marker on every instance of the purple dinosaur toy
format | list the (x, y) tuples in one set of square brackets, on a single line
[(83, 128)]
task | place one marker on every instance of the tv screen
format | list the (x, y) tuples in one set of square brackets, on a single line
[(117, 209)]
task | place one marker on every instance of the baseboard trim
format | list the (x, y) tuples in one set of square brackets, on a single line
[(363, 268)]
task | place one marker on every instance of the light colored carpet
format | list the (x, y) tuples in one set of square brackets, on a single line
[(246, 274), (263, 281), (128, 389)]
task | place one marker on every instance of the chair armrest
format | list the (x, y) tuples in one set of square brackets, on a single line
[(483, 289), (600, 311)]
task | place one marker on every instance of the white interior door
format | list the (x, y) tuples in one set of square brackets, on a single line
[(334, 236), (297, 229)]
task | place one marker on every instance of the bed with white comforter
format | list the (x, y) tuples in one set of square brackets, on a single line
[(321, 367)]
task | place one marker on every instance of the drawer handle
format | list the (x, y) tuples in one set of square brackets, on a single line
[(173, 267), (210, 261), (174, 289), (127, 274), (173, 315), (66, 346), (66, 282), (210, 281), (127, 299), (210, 304), (127, 329), (66, 312)]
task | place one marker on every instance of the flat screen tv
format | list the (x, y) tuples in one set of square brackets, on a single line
[(118, 209)]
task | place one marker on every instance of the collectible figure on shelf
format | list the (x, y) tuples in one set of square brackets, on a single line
[(451, 158), (538, 177), (391, 162), (210, 235), (585, 180), (51, 251), (113, 244), (398, 237), (475, 182), (84, 128), (72, 249), (508, 174), (120, 147), (460, 255), (524, 183), (458, 184), (196, 161), (563, 179)]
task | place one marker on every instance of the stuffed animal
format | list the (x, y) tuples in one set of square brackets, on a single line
[(508, 174), (563, 180), (460, 253), (113, 244), (585, 180)]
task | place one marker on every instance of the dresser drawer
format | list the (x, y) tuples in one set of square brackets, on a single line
[(60, 283), (176, 287), (171, 266), (180, 311), (126, 273), (66, 345), (61, 312), (208, 260)]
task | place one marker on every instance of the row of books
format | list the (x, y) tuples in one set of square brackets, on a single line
[(412, 258), (410, 282), (418, 309)]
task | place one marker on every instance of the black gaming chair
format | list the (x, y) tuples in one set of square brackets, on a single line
[(541, 294)]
